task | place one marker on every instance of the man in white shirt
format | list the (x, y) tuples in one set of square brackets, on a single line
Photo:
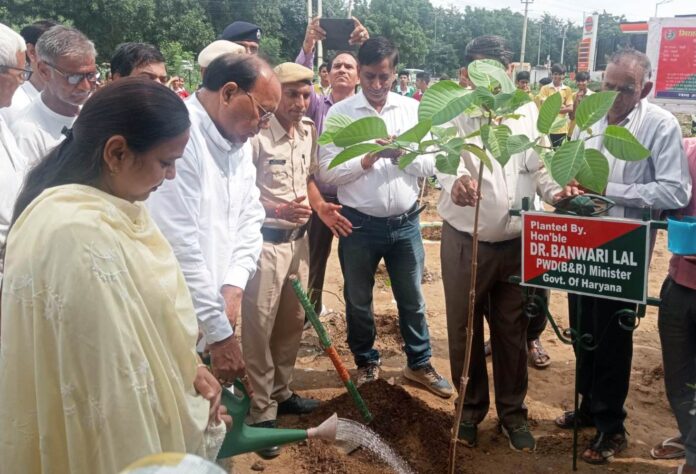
[(32, 88), (66, 62), (659, 183), (13, 72), (380, 200), (211, 213), (499, 258)]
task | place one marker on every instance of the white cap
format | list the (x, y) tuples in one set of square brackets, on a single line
[(218, 48)]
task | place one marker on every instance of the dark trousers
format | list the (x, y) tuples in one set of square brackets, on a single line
[(501, 301), (604, 373), (557, 139), (677, 325), (537, 324), (401, 247), (320, 240)]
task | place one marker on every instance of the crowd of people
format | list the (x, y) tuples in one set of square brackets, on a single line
[(138, 230)]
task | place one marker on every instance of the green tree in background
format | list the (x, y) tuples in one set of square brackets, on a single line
[(429, 38)]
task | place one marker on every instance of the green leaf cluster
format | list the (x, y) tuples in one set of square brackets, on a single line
[(493, 100)]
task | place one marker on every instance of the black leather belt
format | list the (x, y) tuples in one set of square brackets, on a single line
[(281, 236), (394, 221)]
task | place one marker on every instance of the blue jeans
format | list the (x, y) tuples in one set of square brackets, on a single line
[(399, 244)]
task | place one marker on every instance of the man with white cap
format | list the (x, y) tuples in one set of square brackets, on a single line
[(215, 49), (285, 156)]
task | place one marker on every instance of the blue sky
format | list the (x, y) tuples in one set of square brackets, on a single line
[(635, 10)]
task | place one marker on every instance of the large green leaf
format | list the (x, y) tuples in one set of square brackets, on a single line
[(416, 133), (453, 146), (333, 124), (560, 122), (546, 157), (496, 140), (454, 108), (437, 97), (594, 172), (353, 151), (480, 153), (491, 75), (508, 103), (567, 161), (447, 164), (483, 98), (407, 159), (593, 107), (362, 130), (518, 144), (336, 122), (623, 145), (444, 132), (548, 113)]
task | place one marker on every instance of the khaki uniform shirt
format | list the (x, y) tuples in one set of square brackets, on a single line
[(284, 164), (566, 101)]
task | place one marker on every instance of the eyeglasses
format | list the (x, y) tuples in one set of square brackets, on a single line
[(76, 78), (24, 76), (264, 115)]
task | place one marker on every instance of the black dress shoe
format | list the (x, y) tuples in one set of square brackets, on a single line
[(296, 405), (272, 451)]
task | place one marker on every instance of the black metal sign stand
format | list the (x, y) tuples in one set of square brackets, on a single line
[(627, 319)]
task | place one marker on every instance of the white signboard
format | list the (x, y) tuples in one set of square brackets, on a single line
[(672, 52)]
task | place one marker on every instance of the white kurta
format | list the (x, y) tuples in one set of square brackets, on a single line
[(97, 356), (12, 166), (212, 217), (21, 99)]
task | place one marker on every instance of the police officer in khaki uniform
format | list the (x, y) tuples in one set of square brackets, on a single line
[(272, 318)]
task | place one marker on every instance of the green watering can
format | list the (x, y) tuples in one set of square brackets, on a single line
[(243, 438)]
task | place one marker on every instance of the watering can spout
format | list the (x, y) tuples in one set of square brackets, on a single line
[(243, 438), (325, 431)]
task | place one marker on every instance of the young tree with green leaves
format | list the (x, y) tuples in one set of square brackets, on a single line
[(494, 99)]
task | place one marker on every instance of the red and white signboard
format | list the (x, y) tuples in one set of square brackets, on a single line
[(672, 53), (587, 48), (595, 256)]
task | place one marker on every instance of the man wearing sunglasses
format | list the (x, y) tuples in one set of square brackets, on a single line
[(12, 74), (211, 213), (66, 62), (32, 87)]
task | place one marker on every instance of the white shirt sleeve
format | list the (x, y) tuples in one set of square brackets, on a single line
[(248, 242), (175, 208)]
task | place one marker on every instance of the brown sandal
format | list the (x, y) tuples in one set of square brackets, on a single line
[(604, 447), (538, 356)]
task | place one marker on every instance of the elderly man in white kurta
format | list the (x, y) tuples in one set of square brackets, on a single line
[(211, 213)]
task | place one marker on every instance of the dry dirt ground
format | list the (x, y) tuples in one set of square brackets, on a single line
[(417, 424)]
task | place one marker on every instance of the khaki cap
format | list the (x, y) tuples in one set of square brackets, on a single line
[(293, 72)]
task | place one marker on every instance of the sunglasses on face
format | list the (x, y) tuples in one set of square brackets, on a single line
[(76, 78), (24, 76), (264, 115)]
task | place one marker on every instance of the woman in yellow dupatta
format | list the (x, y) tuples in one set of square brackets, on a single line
[(97, 344)]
